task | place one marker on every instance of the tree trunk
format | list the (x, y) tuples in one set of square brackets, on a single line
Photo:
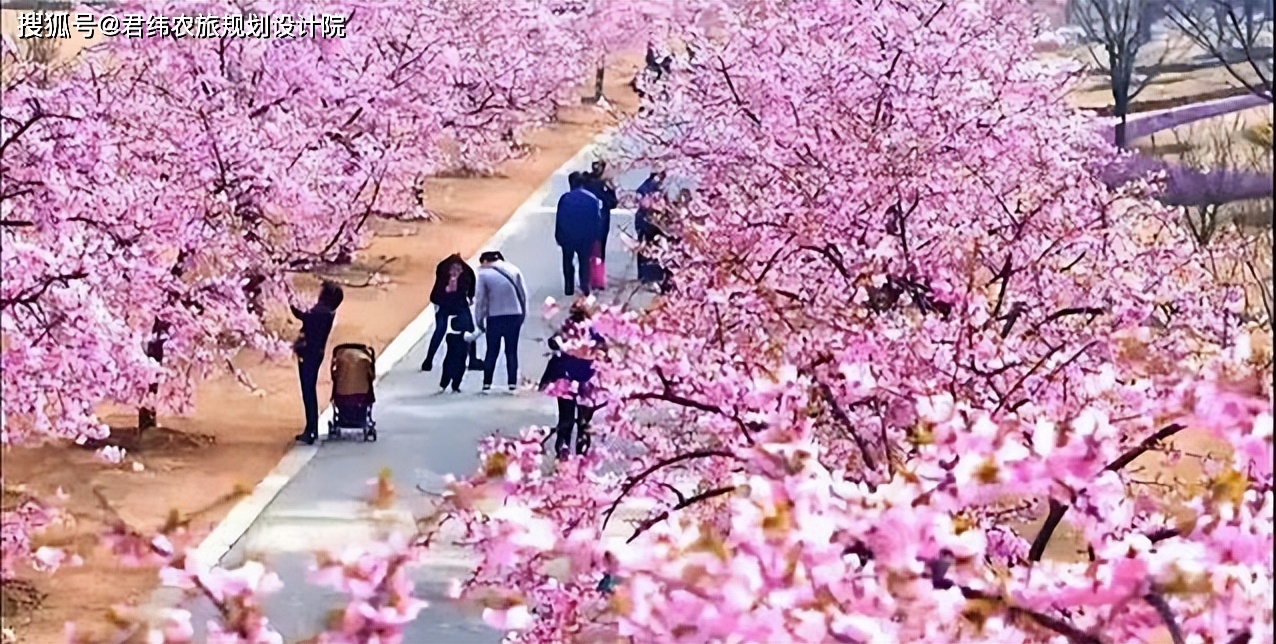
[(598, 82), (1121, 111), (146, 416)]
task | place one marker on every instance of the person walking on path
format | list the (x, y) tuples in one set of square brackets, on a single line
[(577, 225), (310, 346), (602, 188), (569, 378), (500, 305), (453, 292)]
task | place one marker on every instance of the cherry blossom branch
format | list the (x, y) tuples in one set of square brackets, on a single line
[(1090, 311), (722, 68), (827, 394), (1074, 634), (1163, 609), (33, 295), (160, 548), (667, 395), (1057, 509), (634, 480), (39, 114), (647, 524)]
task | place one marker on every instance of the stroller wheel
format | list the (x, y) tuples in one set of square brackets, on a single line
[(370, 436)]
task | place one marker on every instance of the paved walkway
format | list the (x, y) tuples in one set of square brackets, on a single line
[(422, 436)]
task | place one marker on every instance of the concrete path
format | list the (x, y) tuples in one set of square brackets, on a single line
[(422, 436)]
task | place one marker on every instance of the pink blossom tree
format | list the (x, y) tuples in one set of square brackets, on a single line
[(908, 319), (159, 191), (73, 246), (240, 160)]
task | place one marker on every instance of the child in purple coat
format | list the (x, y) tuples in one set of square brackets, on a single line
[(569, 378)]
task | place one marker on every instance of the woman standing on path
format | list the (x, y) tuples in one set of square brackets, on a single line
[(569, 378), (453, 292), (500, 304), (310, 346)]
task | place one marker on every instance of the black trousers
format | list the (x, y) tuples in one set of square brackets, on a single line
[(308, 369), (440, 330), (580, 268), (454, 360), (502, 329), (602, 247), (572, 415)]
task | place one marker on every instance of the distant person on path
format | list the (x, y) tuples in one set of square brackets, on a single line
[(310, 346), (577, 225), (653, 61), (459, 343), (569, 378), (649, 271), (597, 183), (500, 305), (453, 292), (650, 187)]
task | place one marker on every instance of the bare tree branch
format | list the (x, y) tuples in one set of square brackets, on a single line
[(1236, 33)]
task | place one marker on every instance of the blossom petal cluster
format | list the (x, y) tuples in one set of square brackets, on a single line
[(921, 373)]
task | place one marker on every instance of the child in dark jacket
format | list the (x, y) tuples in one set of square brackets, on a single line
[(460, 335)]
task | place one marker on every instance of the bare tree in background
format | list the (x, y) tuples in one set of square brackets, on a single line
[(1209, 147), (1118, 31), (41, 50), (1236, 33), (1221, 145)]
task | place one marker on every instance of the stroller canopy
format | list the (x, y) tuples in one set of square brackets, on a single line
[(353, 369)]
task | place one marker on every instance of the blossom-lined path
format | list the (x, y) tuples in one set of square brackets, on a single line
[(422, 437)]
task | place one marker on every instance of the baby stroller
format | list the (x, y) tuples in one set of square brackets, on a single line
[(353, 372)]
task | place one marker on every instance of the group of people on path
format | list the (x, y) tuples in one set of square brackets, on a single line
[(499, 297), (582, 223), (492, 303)]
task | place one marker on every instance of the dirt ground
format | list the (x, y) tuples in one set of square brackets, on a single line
[(236, 436)]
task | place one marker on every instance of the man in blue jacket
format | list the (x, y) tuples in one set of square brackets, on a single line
[(577, 226)]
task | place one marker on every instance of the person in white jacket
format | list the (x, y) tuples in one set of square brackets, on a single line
[(500, 306)]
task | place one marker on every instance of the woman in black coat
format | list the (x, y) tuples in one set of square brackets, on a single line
[(453, 293)]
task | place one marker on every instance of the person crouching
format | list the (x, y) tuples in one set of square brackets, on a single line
[(460, 334)]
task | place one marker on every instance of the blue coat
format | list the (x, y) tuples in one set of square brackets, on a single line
[(579, 221)]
